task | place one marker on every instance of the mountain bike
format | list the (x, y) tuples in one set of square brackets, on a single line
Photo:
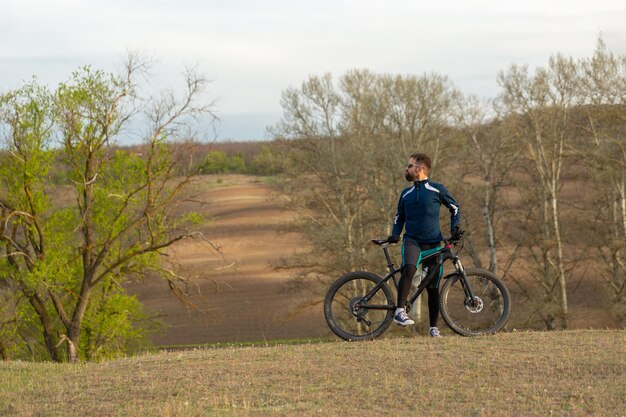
[(360, 305)]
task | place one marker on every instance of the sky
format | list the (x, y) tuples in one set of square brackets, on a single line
[(254, 50)]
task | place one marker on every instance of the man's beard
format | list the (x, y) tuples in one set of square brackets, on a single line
[(409, 177)]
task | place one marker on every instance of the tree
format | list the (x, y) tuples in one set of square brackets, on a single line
[(343, 149), (544, 103), (602, 148), (27, 118), (67, 250), (488, 164), (217, 162)]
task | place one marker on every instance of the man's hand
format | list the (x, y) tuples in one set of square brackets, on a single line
[(393, 239), (457, 233)]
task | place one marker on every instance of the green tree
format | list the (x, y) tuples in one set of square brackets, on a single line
[(217, 162), (27, 115), (68, 249)]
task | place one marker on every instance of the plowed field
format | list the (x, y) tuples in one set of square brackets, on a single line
[(246, 294)]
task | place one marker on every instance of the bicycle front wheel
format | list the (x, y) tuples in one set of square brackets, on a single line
[(484, 315), (353, 315)]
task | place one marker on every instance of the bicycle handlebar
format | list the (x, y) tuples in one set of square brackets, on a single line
[(452, 240)]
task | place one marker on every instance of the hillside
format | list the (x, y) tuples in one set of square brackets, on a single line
[(248, 296), (573, 373), (244, 291)]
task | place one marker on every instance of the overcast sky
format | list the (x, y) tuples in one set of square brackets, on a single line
[(253, 50)]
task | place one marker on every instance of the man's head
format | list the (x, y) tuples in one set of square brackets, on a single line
[(418, 167)]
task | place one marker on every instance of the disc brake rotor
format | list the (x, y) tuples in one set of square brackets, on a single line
[(475, 306)]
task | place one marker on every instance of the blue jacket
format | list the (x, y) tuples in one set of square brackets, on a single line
[(418, 211)]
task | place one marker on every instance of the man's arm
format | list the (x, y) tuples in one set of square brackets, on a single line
[(399, 219), (454, 207)]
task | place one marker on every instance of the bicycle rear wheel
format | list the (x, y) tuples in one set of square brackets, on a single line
[(489, 310), (349, 315)]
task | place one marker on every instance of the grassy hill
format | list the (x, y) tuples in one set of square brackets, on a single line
[(573, 373)]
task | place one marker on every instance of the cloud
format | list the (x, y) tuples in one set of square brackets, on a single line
[(254, 50)]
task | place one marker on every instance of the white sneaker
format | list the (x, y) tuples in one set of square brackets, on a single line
[(401, 318), (434, 332)]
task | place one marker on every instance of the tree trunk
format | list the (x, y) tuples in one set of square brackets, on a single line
[(46, 323), (416, 308), (617, 281), (419, 315), (493, 262), (73, 332), (559, 260), (620, 187), (3, 351), (548, 262)]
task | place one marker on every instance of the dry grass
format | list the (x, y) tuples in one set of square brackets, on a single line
[(536, 373)]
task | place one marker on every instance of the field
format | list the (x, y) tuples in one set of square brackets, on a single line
[(572, 373), (246, 293)]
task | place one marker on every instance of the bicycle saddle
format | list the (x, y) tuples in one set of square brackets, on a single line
[(379, 242)]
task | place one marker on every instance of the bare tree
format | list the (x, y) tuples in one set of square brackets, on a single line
[(489, 157), (344, 148), (603, 148), (543, 102)]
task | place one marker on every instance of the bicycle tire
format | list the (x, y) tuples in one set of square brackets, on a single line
[(348, 290), (488, 315)]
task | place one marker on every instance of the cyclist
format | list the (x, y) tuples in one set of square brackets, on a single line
[(418, 213)]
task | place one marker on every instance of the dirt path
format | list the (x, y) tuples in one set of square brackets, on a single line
[(248, 298)]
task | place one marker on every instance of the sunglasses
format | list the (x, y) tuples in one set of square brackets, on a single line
[(412, 165)]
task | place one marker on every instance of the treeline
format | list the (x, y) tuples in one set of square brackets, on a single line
[(247, 158), (540, 172)]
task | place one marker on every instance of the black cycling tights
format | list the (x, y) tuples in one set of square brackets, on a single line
[(411, 254)]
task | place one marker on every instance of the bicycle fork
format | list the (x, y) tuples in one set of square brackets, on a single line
[(467, 288)]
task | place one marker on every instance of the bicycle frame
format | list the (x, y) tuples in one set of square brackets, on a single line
[(443, 253)]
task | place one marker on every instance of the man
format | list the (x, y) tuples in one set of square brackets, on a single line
[(418, 212)]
